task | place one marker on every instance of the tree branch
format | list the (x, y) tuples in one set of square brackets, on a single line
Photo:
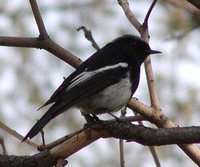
[(145, 23), (147, 63), (158, 118), (196, 3), (151, 148), (191, 150), (126, 131), (46, 44), (62, 139), (125, 6), (89, 37), (2, 143), (38, 19), (106, 129), (16, 135), (154, 115)]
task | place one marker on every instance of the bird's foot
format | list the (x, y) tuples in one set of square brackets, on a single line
[(116, 118), (90, 119)]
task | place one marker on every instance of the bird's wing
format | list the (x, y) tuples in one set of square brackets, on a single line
[(82, 86), (88, 83), (101, 58), (55, 96)]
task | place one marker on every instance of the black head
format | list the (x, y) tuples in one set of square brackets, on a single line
[(134, 48)]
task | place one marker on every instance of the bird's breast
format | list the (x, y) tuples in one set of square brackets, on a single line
[(111, 99)]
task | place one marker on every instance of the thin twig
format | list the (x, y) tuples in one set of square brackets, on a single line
[(16, 135), (121, 141), (121, 152), (145, 23), (89, 36), (125, 6), (147, 63), (43, 139), (58, 141), (151, 148), (38, 19), (5, 152), (151, 83), (155, 156)]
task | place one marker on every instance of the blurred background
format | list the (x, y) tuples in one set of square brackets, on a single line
[(29, 76)]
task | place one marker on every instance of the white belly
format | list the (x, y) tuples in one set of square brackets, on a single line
[(115, 97)]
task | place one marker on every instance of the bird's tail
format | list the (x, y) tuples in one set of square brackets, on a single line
[(38, 126), (48, 116)]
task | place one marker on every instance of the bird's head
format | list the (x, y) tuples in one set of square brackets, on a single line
[(133, 47)]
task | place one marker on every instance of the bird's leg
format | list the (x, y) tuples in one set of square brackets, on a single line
[(95, 117), (115, 117), (90, 118), (135, 98)]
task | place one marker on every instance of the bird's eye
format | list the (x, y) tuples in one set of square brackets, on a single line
[(133, 44)]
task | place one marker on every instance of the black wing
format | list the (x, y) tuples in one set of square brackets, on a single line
[(80, 87), (100, 59)]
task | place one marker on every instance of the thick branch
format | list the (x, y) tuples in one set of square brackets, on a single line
[(42, 43), (149, 136), (157, 117), (105, 129), (62, 139), (127, 131)]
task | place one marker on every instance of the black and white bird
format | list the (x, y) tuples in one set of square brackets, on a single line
[(104, 83)]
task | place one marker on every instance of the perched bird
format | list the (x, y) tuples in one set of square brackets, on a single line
[(104, 83)]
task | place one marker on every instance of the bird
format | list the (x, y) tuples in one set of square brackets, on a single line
[(104, 83)]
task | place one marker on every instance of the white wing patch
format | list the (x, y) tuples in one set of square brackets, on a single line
[(84, 76)]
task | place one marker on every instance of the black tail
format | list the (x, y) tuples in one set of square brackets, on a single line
[(56, 109), (53, 111), (38, 126)]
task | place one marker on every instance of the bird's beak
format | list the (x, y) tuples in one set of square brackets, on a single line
[(153, 52)]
